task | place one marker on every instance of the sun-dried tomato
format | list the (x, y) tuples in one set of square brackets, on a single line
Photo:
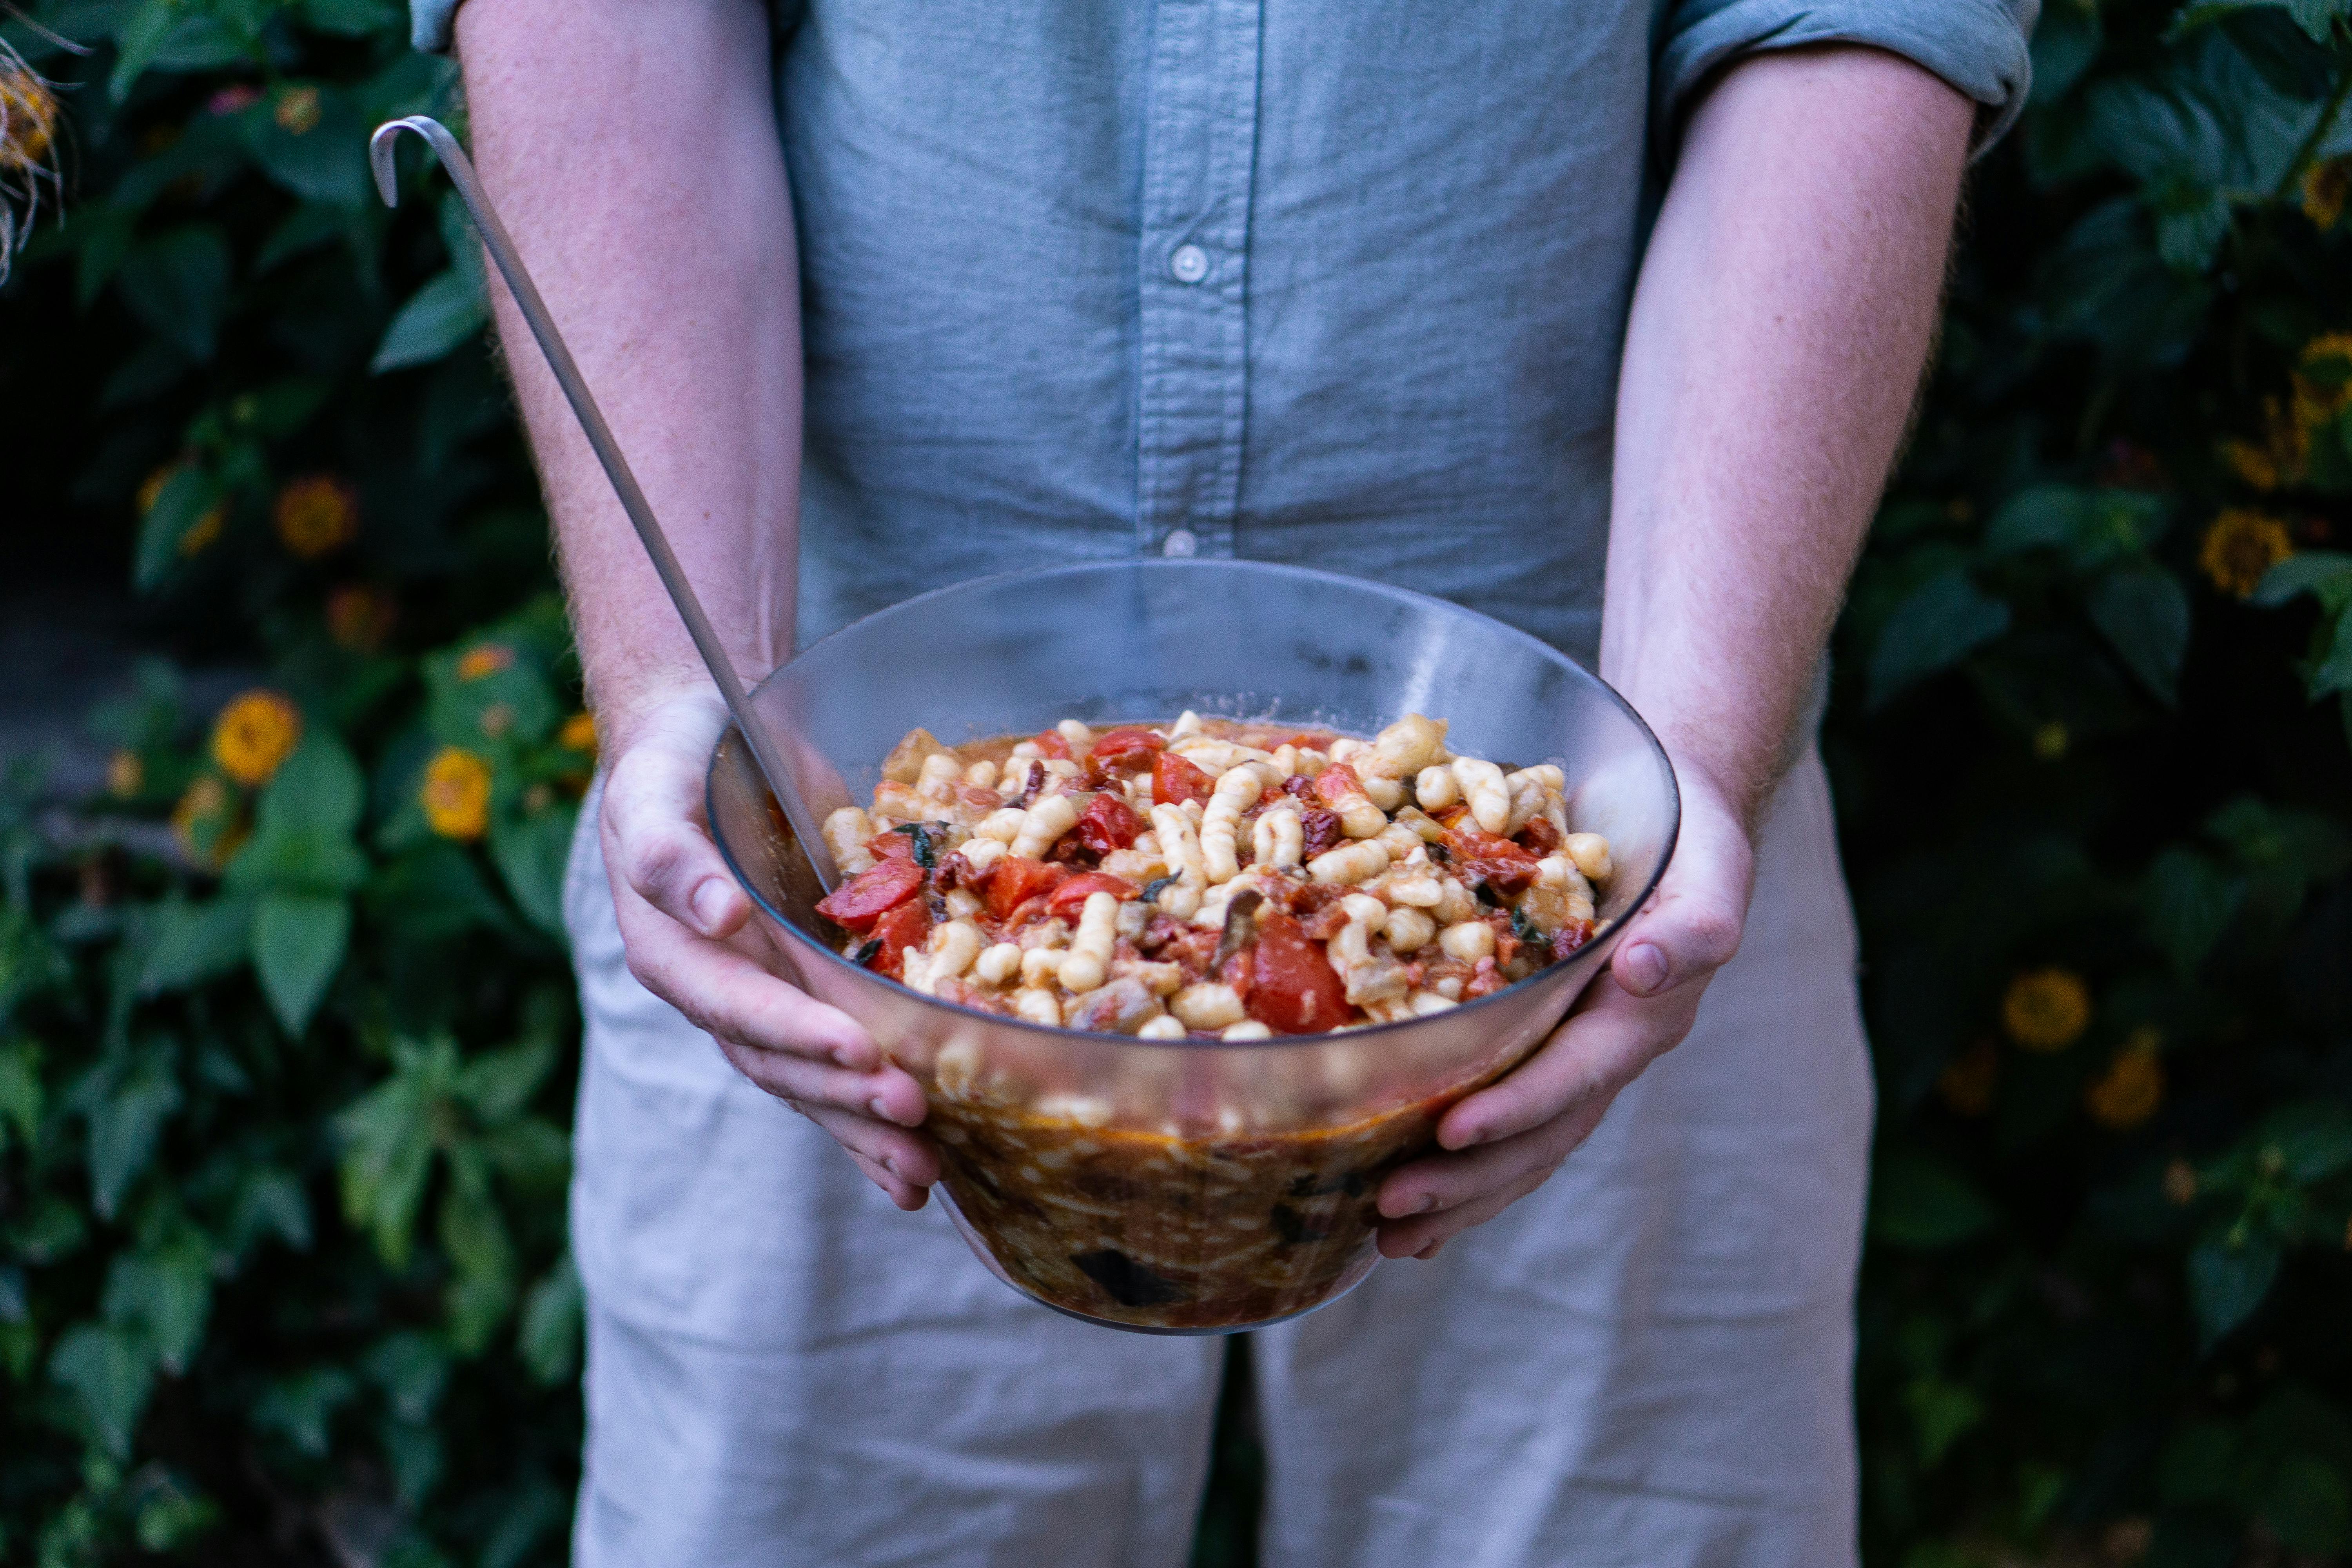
[(954, 872), (1469, 842), (1016, 879), (1572, 934), (1324, 923), (1070, 897), (1338, 784), (908, 925), (1294, 990), (1301, 787), (1049, 743), (1485, 981), (1107, 824), (1130, 750), (857, 903), (1539, 837), (1175, 780), (1505, 876), (1322, 831)]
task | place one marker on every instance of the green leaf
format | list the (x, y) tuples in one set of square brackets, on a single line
[(389, 1139), (474, 1235), (270, 1201), (2305, 1504), (164, 1292), (110, 1374), (141, 39), (2143, 611), (532, 854), (2091, 528), (20, 1093), (2333, 671), (126, 1104), (442, 317), (2227, 1282), (2325, 573), (319, 786), (412, 1369), (177, 284), (351, 18), (185, 501), (2187, 901), (1916, 1200), (1943, 1412), (499, 1084), (301, 1408), (549, 1337), (1935, 626), (298, 945), (325, 162), (188, 944)]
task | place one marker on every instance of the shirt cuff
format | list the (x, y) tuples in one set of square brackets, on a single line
[(1977, 46), (428, 24)]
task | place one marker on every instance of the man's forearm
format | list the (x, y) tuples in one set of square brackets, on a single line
[(632, 148), (1784, 311)]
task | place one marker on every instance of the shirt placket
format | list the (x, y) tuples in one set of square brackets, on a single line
[(1200, 153)]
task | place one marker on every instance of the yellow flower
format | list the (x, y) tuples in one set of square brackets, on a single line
[(299, 109), (126, 775), (2133, 1086), (2239, 547), (579, 733), (1966, 1082), (482, 662), (2046, 1010), (2318, 399), (2324, 189), (206, 823), (457, 794), (360, 619), (316, 515), (201, 531), (2180, 1183), (254, 735), (28, 118)]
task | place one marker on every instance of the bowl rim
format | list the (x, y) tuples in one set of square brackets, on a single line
[(1311, 573)]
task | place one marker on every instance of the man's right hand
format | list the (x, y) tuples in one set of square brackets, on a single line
[(691, 941)]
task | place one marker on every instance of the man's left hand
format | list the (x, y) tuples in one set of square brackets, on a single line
[(1503, 1141)]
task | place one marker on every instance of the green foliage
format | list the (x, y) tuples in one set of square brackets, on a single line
[(2090, 717), (285, 1054)]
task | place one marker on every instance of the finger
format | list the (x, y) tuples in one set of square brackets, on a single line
[(1423, 1235), (907, 1159), (721, 990), (1442, 1182), (807, 1084), (1692, 927), (1602, 1047), (656, 840), (910, 1198)]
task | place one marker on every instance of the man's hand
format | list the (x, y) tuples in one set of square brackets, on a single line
[(1782, 316), (1508, 1139), (691, 941)]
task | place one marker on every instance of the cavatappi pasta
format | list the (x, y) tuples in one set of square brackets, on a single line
[(1209, 878)]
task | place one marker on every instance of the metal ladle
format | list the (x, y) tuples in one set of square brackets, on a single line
[(380, 147)]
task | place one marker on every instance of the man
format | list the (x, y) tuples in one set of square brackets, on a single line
[(1602, 318)]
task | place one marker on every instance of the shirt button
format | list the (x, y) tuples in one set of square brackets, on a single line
[(1189, 264), (1180, 543)]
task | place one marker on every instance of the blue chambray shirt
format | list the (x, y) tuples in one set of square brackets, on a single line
[(1339, 282)]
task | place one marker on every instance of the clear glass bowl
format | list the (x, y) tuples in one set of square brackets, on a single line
[(1185, 1186)]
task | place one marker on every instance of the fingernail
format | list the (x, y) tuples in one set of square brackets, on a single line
[(1643, 968), (881, 1110), (710, 904)]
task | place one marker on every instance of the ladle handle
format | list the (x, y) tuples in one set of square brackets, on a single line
[(616, 467)]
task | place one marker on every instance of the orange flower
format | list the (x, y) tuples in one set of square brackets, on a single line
[(485, 660), (2133, 1086), (2046, 1010), (360, 618), (457, 794), (316, 515), (299, 110), (126, 775), (579, 733), (205, 823), (28, 118), (1968, 1080), (2324, 189), (2239, 547), (256, 734), (2319, 398)]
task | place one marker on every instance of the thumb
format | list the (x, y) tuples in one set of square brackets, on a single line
[(656, 839), (1692, 930)]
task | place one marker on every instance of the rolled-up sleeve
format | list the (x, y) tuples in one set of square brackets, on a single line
[(1978, 46), (430, 22)]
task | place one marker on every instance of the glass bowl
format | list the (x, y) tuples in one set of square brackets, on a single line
[(1183, 1186)]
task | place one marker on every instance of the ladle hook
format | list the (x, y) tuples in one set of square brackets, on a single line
[(380, 148)]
